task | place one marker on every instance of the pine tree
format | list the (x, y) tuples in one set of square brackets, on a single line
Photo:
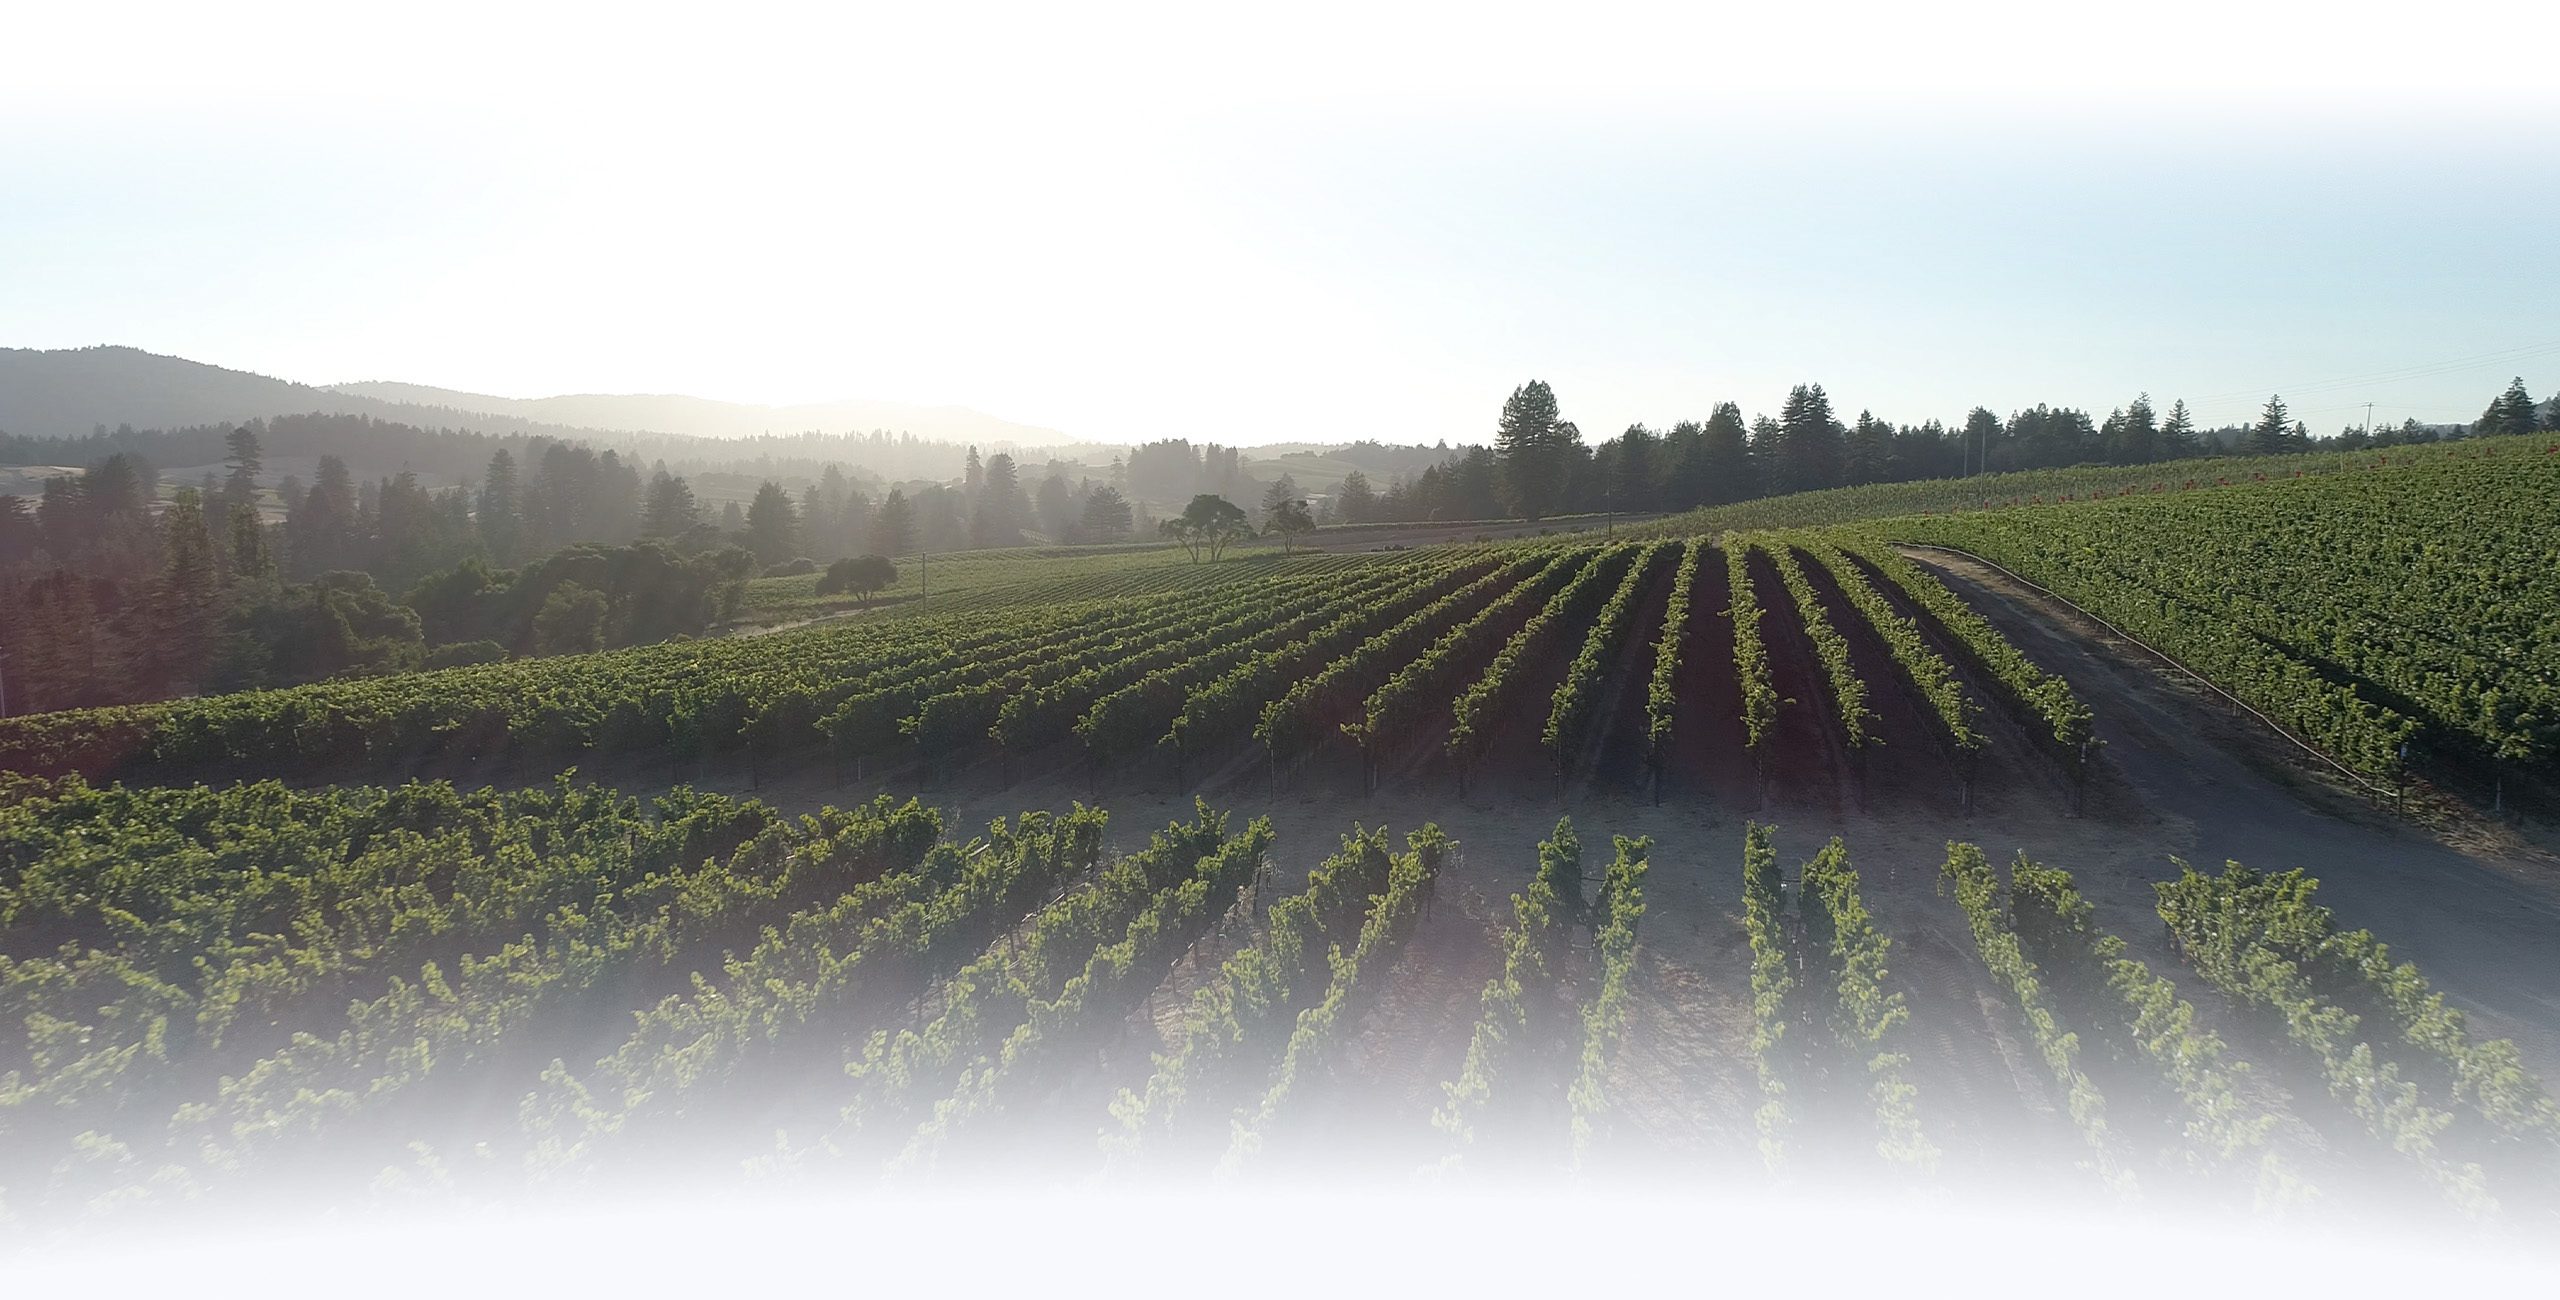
[(1725, 446), (2132, 435), (1812, 445), (773, 525), (1534, 462), (245, 459), (1768, 438), (1632, 471), (501, 510), (183, 605), (996, 519), (830, 529), (2178, 436), (1106, 517), (2512, 413), (1277, 497), (2272, 434), (669, 509), (1354, 501), (1054, 507), (1870, 451), (251, 565), (893, 525)]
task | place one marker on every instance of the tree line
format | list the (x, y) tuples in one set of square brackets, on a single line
[(1539, 464), (110, 595)]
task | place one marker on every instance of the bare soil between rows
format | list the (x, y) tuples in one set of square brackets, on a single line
[(2180, 776)]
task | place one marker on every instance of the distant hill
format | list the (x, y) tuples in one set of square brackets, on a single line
[(72, 392), (702, 417)]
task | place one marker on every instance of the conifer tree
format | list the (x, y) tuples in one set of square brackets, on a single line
[(1870, 450), (1354, 501), (669, 509), (2272, 434), (1533, 451), (773, 524), (183, 603), (2178, 435), (1725, 444), (996, 518), (501, 510), (1106, 517), (893, 525), (2511, 413), (1812, 445), (251, 564)]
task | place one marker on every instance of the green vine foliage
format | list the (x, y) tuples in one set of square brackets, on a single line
[(1750, 649), (1928, 672), (1521, 1007), (1356, 975), (1474, 718), (1978, 890), (2235, 930), (1235, 1027), (1848, 689), (1863, 1016), (2066, 721), (1661, 698), (1577, 698), (1773, 993), (1604, 1021), (2140, 1014)]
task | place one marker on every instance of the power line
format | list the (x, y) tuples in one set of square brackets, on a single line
[(2485, 360)]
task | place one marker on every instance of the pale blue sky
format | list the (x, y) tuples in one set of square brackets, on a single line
[(1311, 222)]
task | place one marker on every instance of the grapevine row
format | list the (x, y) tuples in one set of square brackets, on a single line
[(2355, 971), (1848, 690), (1750, 650), (1225, 710), (1926, 670), (1577, 697), (1773, 989), (2220, 932), (1143, 713), (1293, 723), (1978, 890), (2352, 575), (1426, 683), (1605, 1020), (1862, 1016), (828, 974), (1520, 1004), (1356, 976), (2133, 1006), (2338, 719), (1231, 1030), (1661, 699), (901, 1072), (1474, 716), (1090, 1007)]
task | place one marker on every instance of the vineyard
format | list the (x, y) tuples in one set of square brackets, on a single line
[(1660, 853), (1555, 666), (408, 990)]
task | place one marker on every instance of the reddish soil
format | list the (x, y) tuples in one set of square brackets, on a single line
[(2179, 775)]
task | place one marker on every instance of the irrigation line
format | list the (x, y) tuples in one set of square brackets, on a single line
[(2165, 657)]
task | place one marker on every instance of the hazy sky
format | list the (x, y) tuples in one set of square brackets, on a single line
[(1316, 221)]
